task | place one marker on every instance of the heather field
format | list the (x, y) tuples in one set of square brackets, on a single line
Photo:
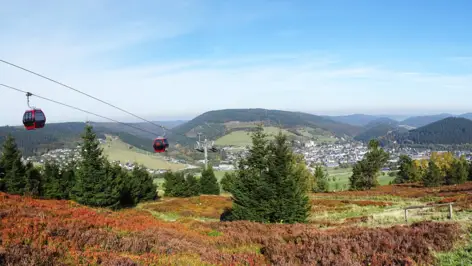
[(346, 228)]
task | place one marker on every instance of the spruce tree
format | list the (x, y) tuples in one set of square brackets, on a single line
[(92, 181), (227, 182), (268, 187), (252, 193), (33, 186), (291, 203), (321, 180), (52, 181), (143, 188), (2, 177), (193, 186), (175, 185), (208, 182), (13, 168)]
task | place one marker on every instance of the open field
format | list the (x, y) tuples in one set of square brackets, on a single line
[(339, 178), (116, 150), (345, 228), (243, 138)]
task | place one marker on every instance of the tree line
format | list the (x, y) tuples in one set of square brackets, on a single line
[(179, 184), (440, 169), (91, 181)]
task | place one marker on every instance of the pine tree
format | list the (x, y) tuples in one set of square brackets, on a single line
[(52, 181), (67, 182), (366, 171), (193, 186), (33, 186), (143, 188), (321, 180), (269, 186), (227, 182), (2, 177), (208, 182), (252, 192), (14, 172), (290, 202), (175, 185), (91, 177), (433, 177)]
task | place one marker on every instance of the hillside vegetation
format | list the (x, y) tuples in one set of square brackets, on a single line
[(212, 124), (452, 130)]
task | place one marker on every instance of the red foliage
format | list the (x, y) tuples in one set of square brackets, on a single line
[(52, 232)]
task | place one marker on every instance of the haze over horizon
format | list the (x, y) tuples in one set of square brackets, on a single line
[(170, 60)]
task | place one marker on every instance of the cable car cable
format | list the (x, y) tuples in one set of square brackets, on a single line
[(88, 95), (76, 108)]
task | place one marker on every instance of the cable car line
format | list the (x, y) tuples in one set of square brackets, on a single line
[(76, 108), (76, 90)]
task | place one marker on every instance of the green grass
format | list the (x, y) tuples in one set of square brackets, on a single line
[(459, 256), (243, 138), (341, 176), (117, 150)]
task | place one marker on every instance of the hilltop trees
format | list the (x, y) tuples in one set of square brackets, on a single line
[(267, 187), (14, 171), (365, 172)]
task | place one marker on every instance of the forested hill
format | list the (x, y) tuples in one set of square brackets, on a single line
[(212, 123), (451, 130), (67, 135)]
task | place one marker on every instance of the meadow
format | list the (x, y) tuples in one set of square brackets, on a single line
[(117, 150), (241, 138), (345, 228)]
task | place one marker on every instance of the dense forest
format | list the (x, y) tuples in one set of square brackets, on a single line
[(452, 130)]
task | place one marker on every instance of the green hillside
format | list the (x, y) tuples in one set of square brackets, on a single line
[(452, 130), (215, 124)]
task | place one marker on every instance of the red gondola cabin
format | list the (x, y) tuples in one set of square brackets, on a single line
[(34, 119), (160, 144)]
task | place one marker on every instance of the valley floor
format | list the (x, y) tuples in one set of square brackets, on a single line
[(345, 228)]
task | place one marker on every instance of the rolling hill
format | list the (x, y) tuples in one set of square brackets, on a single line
[(215, 124), (67, 135), (451, 130), (382, 121), (419, 121), (354, 119)]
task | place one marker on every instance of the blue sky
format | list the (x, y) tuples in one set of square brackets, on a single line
[(177, 59)]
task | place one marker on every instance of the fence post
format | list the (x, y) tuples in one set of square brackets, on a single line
[(406, 215), (450, 211)]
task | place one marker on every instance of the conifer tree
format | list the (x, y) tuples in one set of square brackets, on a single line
[(251, 191), (14, 171), (433, 177), (227, 182), (321, 180), (143, 187), (291, 203), (366, 171), (193, 186), (208, 182), (267, 187), (91, 177), (2, 177), (33, 186), (175, 185), (52, 181)]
